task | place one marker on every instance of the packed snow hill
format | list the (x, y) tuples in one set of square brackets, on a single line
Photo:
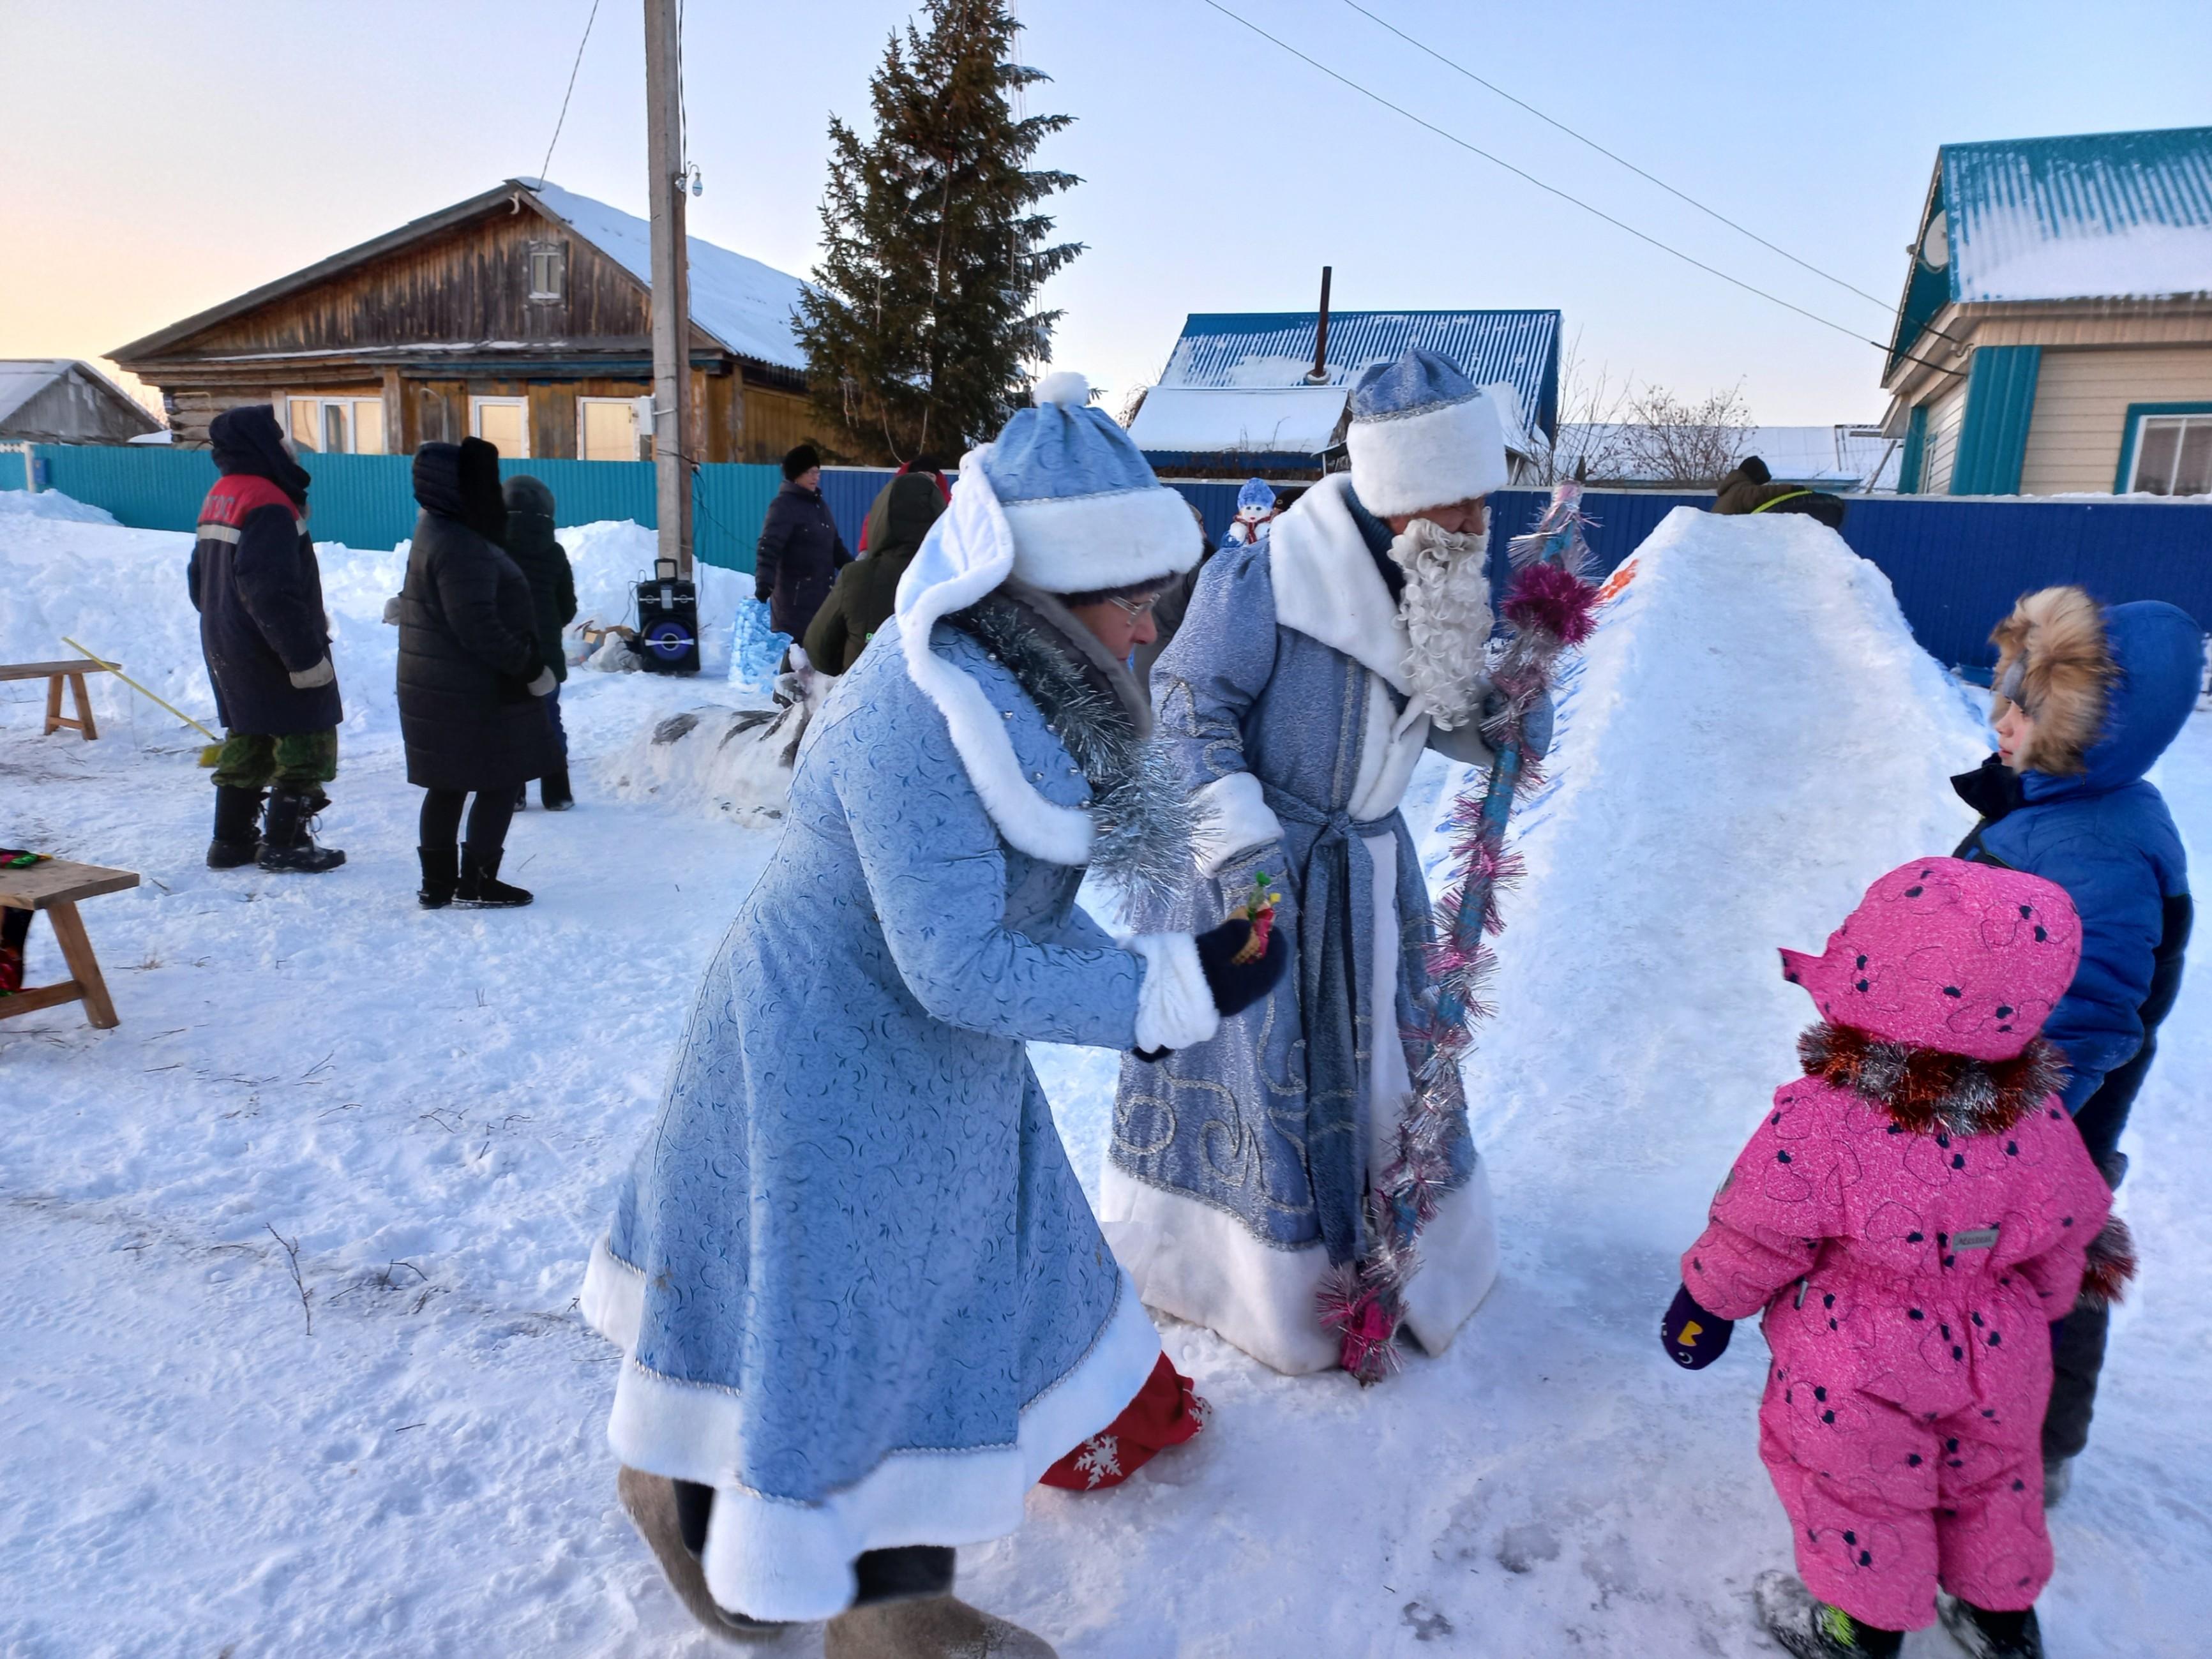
[(296, 1365)]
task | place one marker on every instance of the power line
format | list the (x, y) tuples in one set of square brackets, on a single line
[(1843, 329), (1710, 213), (565, 96)]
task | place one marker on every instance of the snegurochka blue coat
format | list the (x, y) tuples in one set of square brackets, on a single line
[(858, 1288)]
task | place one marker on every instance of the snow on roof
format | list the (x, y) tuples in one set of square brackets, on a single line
[(1276, 348), (1251, 420), (1840, 457), (744, 304), (2096, 216), (22, 378)]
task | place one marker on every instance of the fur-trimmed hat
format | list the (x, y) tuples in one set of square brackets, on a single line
[(2054, 662), (1086, 512), (1423, 435), (801, 460)]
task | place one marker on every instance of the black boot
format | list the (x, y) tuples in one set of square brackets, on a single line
[(522, 795), (1986, 1635), (480, 886), (441, 873), (237, 827), (553, 792), (286, 843), (1811, 1629)]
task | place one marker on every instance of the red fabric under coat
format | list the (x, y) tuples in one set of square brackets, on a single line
[(1166, 1411)]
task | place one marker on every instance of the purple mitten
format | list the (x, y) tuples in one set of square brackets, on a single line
[(1693, 1339)]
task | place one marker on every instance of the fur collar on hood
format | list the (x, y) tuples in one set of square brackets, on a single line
[(2058, 637), (1927, 1091)]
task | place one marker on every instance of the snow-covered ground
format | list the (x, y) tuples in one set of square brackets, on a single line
[(432, 1107)]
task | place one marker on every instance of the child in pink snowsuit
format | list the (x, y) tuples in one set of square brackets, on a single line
[(1911, 1215)]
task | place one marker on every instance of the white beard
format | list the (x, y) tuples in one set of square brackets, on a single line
[(1446, 610)]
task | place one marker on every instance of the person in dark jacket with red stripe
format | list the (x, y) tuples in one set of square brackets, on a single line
[(254, 581)]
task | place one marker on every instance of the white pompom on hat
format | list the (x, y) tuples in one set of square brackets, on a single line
[(1085, 510), (1422, 435)]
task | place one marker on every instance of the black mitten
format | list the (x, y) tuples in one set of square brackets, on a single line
[(1693, 1338), (1237, 985)]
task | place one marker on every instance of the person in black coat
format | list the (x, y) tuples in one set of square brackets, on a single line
[(799, 552), (254, 581), (472, 676), (544, 562)]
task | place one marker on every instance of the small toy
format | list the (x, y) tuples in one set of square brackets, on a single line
[(1259, 911)]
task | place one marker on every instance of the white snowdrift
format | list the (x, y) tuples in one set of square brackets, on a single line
[(51, 504), (435, 1107)]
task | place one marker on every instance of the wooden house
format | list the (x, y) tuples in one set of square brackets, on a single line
[(2055, 335), (58, 400), (521, 315)]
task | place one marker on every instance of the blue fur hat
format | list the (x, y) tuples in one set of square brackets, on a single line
[(1257, 493), (1422, 434), (1084, 508)]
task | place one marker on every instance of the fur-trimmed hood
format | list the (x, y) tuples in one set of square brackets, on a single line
[(2109, 689)]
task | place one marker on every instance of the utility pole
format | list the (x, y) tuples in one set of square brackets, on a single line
[(672, 283)]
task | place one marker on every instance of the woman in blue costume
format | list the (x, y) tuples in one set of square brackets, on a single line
[(862, 1302)]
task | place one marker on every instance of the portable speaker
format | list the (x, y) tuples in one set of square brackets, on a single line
[(668, 622)]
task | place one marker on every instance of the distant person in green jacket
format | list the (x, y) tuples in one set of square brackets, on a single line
[(861, 599)]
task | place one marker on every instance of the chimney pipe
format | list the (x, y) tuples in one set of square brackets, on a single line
[(1319, 376)]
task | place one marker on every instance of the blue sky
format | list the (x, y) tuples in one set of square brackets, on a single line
[(162, 157)]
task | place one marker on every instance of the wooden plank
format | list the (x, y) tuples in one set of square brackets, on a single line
[(77, 952), (40, 670), (60, 881), (40, 996)]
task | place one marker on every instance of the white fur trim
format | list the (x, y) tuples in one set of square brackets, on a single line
[(773, 1558), (1175, 1005), (1233, 817), (1202, 1264), (1432, 459), (1075, 543), (1063, 387), (968, 552), (1326, 584)]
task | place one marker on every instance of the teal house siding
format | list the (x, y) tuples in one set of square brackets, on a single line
[(1993, 438), (1913, 464)]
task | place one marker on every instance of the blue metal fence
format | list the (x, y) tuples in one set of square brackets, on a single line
[(1957, 564)]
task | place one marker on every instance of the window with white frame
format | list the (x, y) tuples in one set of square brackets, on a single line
[(613, 429), (336, 422), (548, 272), (502, 422), (2173, 454)]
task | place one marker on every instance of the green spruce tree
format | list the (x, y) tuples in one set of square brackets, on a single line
[(922, 311)]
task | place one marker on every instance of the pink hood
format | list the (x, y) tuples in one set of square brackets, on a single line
[(1967, 959)]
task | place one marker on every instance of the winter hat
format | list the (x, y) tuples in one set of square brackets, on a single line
[(1966, 958), (1085, 510), (801, 460), (1422, 434), (1258, 496)]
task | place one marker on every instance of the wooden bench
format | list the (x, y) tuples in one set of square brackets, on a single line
[(55, 886), (53, 673)]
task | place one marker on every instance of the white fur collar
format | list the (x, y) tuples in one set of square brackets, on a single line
[(1327, 586), (969, 551)]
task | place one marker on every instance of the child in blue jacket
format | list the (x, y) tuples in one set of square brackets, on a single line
[(2087, 698)]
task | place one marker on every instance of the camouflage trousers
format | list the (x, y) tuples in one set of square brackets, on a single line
[(252, 760)]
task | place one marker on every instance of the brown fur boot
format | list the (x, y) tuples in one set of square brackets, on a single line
[(935, 1627), (649, 1500)]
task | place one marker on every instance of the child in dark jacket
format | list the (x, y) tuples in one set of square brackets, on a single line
[(2087, 698), (1911, 1215)]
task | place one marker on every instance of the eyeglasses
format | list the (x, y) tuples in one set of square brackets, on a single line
[(1136, 610)]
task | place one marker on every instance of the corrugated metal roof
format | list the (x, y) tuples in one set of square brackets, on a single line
[(1276, 348), (2096, 216)]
